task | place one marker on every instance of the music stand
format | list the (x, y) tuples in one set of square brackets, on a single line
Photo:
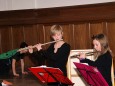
[(49, 75), (91, 75)]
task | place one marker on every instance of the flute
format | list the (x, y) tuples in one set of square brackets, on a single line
[(87, 54), (26, 48)]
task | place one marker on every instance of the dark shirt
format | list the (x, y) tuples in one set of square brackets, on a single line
[(103, 63), (58, 59), (18, 56)]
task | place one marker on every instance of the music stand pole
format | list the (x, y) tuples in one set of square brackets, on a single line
[(59, 83), (51, 76)]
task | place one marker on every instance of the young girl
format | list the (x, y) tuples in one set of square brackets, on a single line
[(103, 57), (19, 56), (13, 56), (57, 53)]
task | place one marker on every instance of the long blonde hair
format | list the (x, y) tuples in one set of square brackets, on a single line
[(104, 44)]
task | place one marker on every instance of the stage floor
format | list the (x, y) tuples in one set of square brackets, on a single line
[(22, 80)]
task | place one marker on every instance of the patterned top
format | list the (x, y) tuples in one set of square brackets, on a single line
[(8, 54)]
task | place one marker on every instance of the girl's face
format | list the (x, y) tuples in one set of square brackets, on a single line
[(97, 45), (57, 36)]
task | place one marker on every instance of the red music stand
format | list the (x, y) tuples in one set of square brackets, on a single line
[(91, 75), (49, 75)]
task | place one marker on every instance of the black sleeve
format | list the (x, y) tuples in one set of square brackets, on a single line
[(16, 55), (104, 60), (38, 57), (90, 62), (38, 54), (46, 52)]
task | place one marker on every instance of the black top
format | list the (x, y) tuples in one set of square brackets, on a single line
[(58, 59), (103, 63), (18, 56)]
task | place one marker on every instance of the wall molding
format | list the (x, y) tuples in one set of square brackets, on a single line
[(69, 14)]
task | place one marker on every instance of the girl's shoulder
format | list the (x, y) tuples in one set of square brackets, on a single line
[(107, 55), (66, 45)]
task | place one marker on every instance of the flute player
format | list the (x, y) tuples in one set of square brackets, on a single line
[(103, 57), (57, 53)]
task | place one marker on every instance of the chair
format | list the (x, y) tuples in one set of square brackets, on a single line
[(73, 74), (112, 73)]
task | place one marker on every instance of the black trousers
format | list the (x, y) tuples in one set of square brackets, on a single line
[(5, 66)]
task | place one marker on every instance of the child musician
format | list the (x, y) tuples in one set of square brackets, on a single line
[(57, 53), (103, 57), (15, 55)]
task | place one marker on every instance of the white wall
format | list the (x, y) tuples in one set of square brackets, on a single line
[(58, 3), (16, 4), (31, 4), (23, 4)]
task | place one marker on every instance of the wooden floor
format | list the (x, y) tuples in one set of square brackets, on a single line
[(22, 80)]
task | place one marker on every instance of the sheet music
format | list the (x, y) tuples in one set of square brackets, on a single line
[(44, 66), (39, 66)]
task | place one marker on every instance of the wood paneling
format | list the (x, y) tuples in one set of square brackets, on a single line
[(70, 14), (68, 34), (111, 35), (6, 39), (96, 28), (79, 24), (17, 17), (17, 36), (47, 36), (31, 34), (41, 33), (81, 36)]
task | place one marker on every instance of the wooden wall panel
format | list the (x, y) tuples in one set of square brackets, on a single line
[(6, 38), (31, 38), (111, 35), (79, 23), (81, 37), (47, 34), (17, 36), (41, 33), (70, 14), (68, 34), (30, 34), (111, 38), (96, 28)]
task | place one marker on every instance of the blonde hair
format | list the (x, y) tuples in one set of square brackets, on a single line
[(55, 29), (104, 44)]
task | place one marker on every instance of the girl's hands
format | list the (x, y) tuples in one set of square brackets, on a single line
[(38, 46), (30, 49), (81, 56)]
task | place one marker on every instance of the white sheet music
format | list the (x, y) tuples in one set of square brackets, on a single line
[(39, 66)]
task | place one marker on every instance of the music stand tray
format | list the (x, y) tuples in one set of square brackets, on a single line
[(91, 75), (49, 75)]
